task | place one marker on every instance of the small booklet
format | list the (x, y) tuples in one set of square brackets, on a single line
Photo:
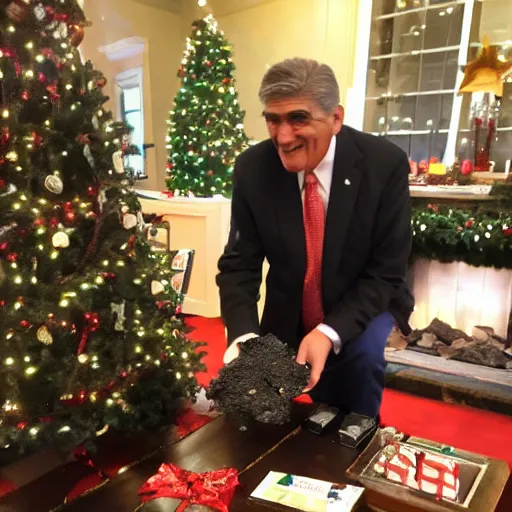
[(307, 494)]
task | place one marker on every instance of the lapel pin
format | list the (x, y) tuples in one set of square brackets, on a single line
[(347, 182)]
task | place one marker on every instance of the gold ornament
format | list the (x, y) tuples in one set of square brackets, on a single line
[(83, 358), (44, 335), (60, 240), (157, 287), (487, 72)]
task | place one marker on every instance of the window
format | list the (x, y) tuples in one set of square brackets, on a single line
[(416, 53), (130, 110)]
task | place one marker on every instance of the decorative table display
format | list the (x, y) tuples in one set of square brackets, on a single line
[(417, 474)]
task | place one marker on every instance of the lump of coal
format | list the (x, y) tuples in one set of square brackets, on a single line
[(261, 382)]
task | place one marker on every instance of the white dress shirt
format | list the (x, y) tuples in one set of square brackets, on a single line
[(323, 173)]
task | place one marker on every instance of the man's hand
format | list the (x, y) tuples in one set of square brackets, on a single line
[(314, 349), (231, 353)]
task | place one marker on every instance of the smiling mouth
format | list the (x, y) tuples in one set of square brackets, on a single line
[(287, 151)]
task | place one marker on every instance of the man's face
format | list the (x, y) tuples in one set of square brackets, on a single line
[(301, 131)]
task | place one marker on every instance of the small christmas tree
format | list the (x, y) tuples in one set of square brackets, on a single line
[(206, 131), (84, 343)]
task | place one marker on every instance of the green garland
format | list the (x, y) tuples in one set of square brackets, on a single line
[(474, 236)]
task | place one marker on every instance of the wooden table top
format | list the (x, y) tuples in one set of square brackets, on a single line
[(221, 444)]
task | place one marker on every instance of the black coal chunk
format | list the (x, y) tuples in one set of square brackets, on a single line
[(261, 382)]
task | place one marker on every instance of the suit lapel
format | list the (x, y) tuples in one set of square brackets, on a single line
[(288, 204), (346, 179)]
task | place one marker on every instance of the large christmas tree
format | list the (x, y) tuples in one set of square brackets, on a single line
[(84, 343), (206, 130)]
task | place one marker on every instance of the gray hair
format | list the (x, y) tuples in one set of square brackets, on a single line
[(298, 77)]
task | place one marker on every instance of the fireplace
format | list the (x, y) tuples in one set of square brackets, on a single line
[(460, 322)]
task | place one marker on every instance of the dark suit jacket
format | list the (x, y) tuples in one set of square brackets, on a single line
[(366, 244)]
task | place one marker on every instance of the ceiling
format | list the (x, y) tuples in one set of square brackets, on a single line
[(219, 7)]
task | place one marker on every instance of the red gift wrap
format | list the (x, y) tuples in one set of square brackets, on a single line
[(213, 489)]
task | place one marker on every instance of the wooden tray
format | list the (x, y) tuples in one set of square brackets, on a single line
[(481, 481)]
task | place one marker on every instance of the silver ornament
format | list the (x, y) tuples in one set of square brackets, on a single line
[(117, 160)]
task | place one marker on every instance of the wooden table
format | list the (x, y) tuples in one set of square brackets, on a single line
[(220, 444)]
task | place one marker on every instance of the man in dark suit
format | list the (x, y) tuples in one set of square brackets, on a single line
[(329, 208)]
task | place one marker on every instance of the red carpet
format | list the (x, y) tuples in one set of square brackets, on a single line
[(466, 428)]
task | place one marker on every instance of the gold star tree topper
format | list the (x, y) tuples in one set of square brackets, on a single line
[(487, 72)]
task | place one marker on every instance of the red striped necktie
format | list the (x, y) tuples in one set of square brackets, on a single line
[(314, 226)]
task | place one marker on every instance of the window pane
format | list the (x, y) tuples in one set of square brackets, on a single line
[(443, 26), (438, 71), (400, 34), (396, 6), (134, 119), (132, 99), (424, 147), (434, 110), (399, 116)]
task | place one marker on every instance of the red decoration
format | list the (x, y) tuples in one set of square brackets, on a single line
[(3, 246), (17, 10), (214, 489), (210, 173), (507, 231), (54, 95), (11, 54), (25, 323), (470, 223), (5, 136), (25, 95), (226, 81), (209, 63), (466, 168), (12, 257), (101, 82), (22, 425), (92, 322), (422, 167)]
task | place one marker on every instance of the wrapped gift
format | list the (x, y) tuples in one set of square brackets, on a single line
[(213, 490), (419, 470)]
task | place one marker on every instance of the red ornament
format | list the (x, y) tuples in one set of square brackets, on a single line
[(22, 425), (38, 140), (226, 81), (210, 173), (17, 10), (5, 136), (3, 183), (2, 303), (12, 257), (209, 63), (3, 246), (170, 165), (25, 95), (466, 168), (101, 82), (25, 323), (470, 223), (507, 231)]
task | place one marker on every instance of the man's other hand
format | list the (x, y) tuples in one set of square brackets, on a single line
[(314, 349)]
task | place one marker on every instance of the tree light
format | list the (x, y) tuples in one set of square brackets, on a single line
[(201, 3)]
